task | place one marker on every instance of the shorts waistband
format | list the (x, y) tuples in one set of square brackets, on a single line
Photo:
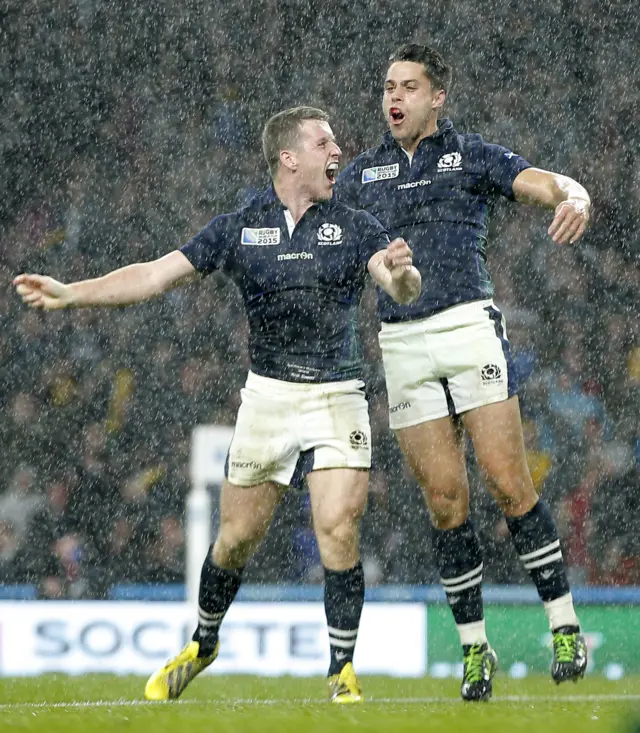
[(257, 381), (455, 315)]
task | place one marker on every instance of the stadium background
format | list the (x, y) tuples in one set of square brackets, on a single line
[(124, 127)]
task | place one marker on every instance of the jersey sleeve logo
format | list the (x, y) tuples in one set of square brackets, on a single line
[(329, 234), (260, 237), (450, 162), (380, 173)]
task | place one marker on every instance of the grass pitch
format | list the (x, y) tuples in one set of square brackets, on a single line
[(105, 703)]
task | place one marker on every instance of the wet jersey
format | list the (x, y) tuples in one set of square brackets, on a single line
[(300, 288), (438, 201)]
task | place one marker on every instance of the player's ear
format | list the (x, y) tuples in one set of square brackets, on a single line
[(288, 160), (439, 98)]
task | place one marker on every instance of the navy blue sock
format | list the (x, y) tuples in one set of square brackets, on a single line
[(218, 588), (459, 560), (536, 540), (343, 601)]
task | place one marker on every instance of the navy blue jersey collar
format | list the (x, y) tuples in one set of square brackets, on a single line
[(269, 197), (445, 127)]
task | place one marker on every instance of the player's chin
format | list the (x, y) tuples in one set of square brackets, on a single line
[(397, 131)]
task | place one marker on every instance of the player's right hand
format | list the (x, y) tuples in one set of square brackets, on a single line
[(40, 291)]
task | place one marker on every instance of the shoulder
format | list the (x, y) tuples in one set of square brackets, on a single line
[(356, 219), (469, 142), (257, 204), (372, 155), (220, 226), (473, 148), (473, 141), (369, 158), (340, 210)]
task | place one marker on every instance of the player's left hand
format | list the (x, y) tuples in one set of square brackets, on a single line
[(398, 257), (570, 221)]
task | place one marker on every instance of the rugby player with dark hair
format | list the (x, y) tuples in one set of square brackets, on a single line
[(446, 354)]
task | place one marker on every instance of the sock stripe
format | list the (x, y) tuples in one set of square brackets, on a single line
[(543, 561), (210, 616), (447, 582), (463, 586), (463, 582), (536, 529), (542, 551), (209, 624), (345, 634), (342, 643)]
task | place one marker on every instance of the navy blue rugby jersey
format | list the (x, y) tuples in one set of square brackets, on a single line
[(439, 202), (301, 292)]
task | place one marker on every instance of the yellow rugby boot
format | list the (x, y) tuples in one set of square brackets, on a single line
[(344, 688), (480, 666), (169, 682), (569, 654)]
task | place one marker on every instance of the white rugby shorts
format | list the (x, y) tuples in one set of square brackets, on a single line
[(447, 363), (287, 429)]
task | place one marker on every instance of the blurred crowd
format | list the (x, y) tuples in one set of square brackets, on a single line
[(124, 127)]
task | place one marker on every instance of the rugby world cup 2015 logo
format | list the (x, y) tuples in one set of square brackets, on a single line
[(329, 234), (264, 237), (450, 162), (380, 173)]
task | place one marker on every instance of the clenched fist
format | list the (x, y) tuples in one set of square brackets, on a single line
[(398, 256)]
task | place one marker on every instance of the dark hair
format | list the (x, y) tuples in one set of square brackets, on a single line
[(434, 65), (282, 130)]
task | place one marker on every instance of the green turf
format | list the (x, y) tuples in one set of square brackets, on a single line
[(238, 704)]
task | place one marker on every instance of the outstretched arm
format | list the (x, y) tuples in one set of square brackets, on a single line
[(394, 272), (570, 200), (131, 284)]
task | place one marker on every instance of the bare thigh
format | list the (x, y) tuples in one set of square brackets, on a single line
[(245, 516), (338, 500), (435, 452), (496, 432)]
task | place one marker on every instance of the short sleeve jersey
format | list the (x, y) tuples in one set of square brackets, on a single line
[(301, 291), (439, 201)]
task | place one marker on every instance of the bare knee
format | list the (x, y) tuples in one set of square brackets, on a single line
[(338, 537), (512, 489), (340, 524), (448, 507), (514, 498), (235, 544)]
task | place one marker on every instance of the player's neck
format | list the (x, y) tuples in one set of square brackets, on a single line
[(293, 199)]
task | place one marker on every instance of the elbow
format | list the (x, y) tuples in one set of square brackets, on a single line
[(153, 284)]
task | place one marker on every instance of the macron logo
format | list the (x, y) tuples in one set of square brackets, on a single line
[(414, 184), (295, 256), (380, 173)]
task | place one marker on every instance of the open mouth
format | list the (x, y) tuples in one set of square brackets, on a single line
[(331, 172), (396, 115)]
